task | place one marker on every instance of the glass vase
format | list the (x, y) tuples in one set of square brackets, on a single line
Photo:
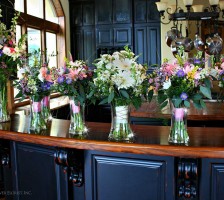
[(4, 114), (46, 111), (120, 123), (178, 130), (37, 121), (77, 117)]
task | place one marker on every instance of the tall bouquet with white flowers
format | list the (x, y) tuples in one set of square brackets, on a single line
[(119, 78), (120, 81)]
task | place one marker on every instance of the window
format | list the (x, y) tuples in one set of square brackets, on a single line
[(43, 21)]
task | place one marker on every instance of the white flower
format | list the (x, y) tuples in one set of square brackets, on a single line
[(61, 71), (166, 84), (123, 80), (123, 64), (7, 51)]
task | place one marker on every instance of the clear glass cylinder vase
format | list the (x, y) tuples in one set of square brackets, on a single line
[(37, 121), (178, 129), (4, 114), (120, 123), (45, 106), (77, 117)]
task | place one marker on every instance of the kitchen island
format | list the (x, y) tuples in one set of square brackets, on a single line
[(56, 165)]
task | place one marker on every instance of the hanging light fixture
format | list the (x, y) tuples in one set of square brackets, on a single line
[(211, 12)]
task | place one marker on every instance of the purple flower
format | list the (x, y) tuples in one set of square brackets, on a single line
[(197, 61), (60, 79), (68, 80), (180, 73), (183, 96)]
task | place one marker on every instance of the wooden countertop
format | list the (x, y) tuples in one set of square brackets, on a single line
[(204, 142), (214, 111)]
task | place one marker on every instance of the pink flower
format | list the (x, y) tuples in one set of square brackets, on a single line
[(188, 68), (222, 65), (73, 73), (45, 74)]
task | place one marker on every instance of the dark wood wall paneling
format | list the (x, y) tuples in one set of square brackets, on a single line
[(105, 26)]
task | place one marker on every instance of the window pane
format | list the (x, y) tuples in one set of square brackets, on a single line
[(18, 33), (35, 8), (34, 39), (19, 5), (50, 12), (51, 49)]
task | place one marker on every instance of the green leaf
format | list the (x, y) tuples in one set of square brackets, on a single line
[(81, 91), (206, 92), (150, 95), (203, 105), (197, 105), (177, 102), (208, 83), (164, 104), (197, 97), (187, 103), (124, 93), (161, 98), (104, 101), (111, 97)]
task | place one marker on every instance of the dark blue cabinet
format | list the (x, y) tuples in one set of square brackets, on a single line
[(128, 177), (212, 179), (35, 174), (147, 43)]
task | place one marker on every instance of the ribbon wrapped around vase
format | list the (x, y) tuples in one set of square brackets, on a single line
[(37, 121), (46, 111), (178, 130), (120, 124)]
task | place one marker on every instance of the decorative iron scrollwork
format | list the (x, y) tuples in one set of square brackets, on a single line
[(72, 163), (187, 179)]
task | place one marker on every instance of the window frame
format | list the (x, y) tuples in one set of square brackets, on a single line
[(28, 21)]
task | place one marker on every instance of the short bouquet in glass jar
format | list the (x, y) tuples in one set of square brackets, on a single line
[(35, 82), (73, 80), (11, 55), (120, 81), (180, 82)]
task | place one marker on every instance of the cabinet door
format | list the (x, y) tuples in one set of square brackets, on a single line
[(104, 36), (89, 45), (153, 44), (36, 176), (88, 14), (77, 44), (111, 176), (76, 14), (141, 44), (122, 11), (152, 11), (212, 179), (122, 37), (140, 11), (103, 11)]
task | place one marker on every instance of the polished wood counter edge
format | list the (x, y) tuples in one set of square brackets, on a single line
[(152, 148)]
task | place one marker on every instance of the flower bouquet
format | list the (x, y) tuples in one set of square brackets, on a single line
[(35, 82), (11, 55), (217, 71), (120, 81), (180, 82), (73, 80)]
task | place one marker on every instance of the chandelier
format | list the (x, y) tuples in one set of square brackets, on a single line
[(176, 13)]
